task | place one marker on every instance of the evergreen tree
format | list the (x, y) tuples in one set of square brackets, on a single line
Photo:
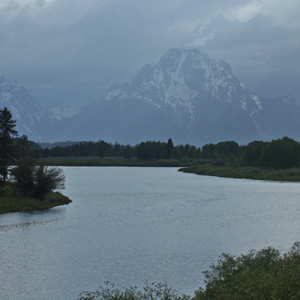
[(128, 152), (7, 133), (170, 147)]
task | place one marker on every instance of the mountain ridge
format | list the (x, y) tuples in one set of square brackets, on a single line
[(187, 96), (33, 119), (187, 91)]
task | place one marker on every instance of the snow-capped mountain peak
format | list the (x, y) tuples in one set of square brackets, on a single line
[(186, 95)]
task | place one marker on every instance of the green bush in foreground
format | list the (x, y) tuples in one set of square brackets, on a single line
[(151, 291), (258, 275), (262, 275)]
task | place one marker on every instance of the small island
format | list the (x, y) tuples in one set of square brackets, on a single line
[(24, 185)]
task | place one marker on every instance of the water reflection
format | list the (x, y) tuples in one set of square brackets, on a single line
[(26, 219), (25, 224)]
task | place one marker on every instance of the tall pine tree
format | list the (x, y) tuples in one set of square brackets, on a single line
[(7, 133)]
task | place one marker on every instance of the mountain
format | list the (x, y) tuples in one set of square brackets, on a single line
[(32, 118), (186, 96)]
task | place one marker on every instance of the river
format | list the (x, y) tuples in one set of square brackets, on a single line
[(129, 225)]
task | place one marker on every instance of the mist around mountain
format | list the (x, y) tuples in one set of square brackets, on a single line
[(186, 96)]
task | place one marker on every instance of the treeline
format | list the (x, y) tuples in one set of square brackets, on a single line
[(278, 154), (150, 150)]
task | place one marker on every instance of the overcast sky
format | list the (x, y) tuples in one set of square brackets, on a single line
[(68, 51)]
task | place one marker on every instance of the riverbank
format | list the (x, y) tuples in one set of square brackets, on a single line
[(10, 201), (110, 162), (199, 167), (292, 175)]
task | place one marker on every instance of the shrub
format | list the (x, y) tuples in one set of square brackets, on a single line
[(218, 163), (152, 291), (37, 181), (258, 275)]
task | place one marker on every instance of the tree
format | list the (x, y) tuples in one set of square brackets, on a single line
[(7, 133), (46, 180), (281, 154), (37, 181), (23, 175), (102, 148), (252, 154), (128, 152), (170, 147), (209, 151)]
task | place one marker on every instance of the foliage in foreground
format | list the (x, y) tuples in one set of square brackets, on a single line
[(258, 275), (151, 291), (262, 275)]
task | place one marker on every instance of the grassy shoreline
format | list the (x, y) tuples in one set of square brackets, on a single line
[(289, 175), (110, 162), (199, 167), (10, 201)]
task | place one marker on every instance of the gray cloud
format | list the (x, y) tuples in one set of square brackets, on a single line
[(69, 50)]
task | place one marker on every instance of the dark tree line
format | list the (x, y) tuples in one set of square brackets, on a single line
[(278, 154), (81, 149), (150, 150)]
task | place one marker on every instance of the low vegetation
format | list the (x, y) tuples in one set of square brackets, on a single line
[(259, 275), (151, 291), (228, 171), (11, 201)]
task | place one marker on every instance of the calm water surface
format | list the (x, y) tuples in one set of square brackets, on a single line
[(128, 225)]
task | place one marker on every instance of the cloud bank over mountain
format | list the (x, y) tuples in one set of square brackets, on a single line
[(69, 51)]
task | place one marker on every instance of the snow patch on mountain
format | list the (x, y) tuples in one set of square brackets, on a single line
[(257, 100), (66, 111)]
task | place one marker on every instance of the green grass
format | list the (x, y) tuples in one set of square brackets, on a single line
[(10, 201), (109, 162), (245, 172)]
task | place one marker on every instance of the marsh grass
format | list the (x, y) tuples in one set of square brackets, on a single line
[(110, 162), (244, 172)]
